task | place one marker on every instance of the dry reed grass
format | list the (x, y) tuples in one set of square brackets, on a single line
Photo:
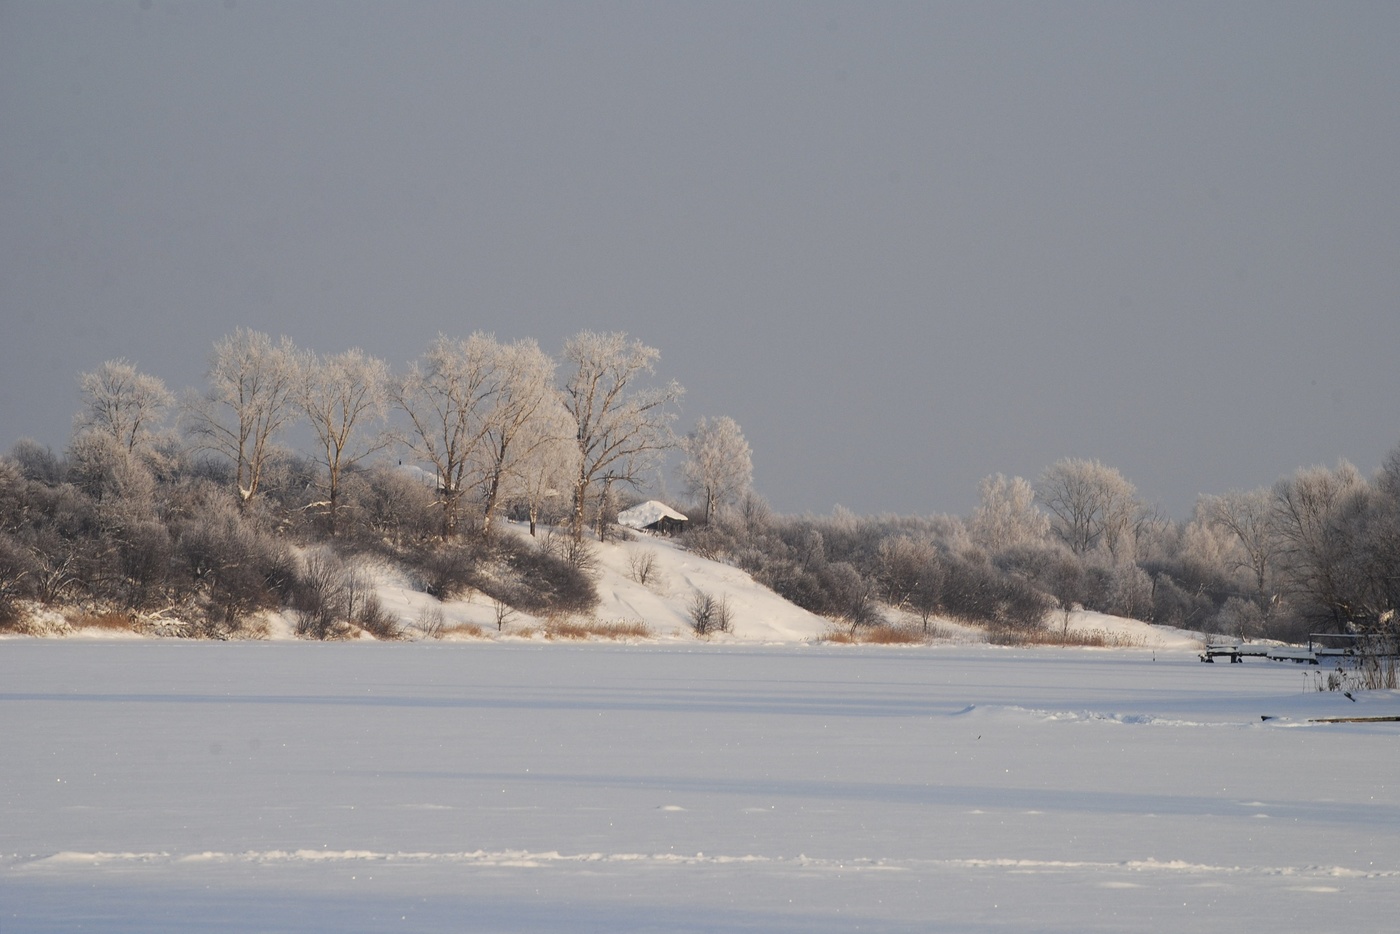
[(1077, 638), (876, 635), (614, 629), (107, 621)]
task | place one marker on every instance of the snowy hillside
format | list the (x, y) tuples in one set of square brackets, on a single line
[(673, 575), (660, 603), (649, 580)]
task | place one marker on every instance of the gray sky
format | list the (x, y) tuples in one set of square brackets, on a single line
[(904, 245)]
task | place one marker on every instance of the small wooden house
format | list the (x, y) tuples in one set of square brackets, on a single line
[(652, 516)]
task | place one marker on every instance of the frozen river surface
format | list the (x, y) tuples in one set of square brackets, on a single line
[(172, 786)]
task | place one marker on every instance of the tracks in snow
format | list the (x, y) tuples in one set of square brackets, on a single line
[(526, 859)]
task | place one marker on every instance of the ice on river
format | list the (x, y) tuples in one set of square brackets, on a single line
[(171, 786)]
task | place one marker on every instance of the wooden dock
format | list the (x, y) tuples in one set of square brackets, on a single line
[(1238, 652)]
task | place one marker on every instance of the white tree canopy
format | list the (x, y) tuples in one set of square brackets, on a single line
[(253, 384), (124, 403), (718, 466), (1092, 507), (446, 396), (521, 416), (620, 428), (1247, 517), (344, 397), (1007, 516)]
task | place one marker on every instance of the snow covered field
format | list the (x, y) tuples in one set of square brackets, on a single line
[(163, 785)]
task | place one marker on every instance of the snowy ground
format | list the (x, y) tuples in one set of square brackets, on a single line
[(661, 602), (164, 785), (760, 615)]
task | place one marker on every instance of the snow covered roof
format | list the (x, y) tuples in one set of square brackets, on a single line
[(427, 478), (648, 513)]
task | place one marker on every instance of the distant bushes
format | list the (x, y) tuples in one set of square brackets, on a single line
[(333, 599), (848, 568), (533, 580), (132, 524), (709, 614), (518, 573), (160, 536), (1316, 552), (976, 592)]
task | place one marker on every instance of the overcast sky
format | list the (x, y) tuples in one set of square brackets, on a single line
[(903, 245)]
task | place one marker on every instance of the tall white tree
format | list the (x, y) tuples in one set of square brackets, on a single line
[(718, 465), (124, 403), (546, 466), (344, 398), (1006, 516), (521, 415), (1092, 506), (253, 384), (446, 396), (1248, 518), (621, 428)]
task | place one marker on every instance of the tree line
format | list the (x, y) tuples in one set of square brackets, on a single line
[(194, 506), (1318, 551), (197, 507)]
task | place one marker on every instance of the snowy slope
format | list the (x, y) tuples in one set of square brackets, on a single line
[(1133, 632), (759, 614)]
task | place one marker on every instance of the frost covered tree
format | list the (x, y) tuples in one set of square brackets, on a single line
[(718, 466), (1378, 541), (1092, 506), (911, 575), (253, 385), (1369, 573), (545, 466), (521, 417), (1007, 517), (446, 396), (344, 398), (1248, 518), (1340, 546), (124, 403), (621, 428), (1307, 516), (118, 484)]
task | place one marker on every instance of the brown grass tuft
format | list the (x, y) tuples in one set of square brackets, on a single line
[(1079, 638), (616, 629), (893, 635), (876, 635), (109, 621)]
